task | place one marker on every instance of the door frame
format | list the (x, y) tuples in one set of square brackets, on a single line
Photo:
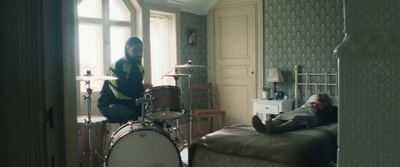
[(259, 73)]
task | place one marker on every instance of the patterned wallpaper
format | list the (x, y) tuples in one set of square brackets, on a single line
[(302, 32), (198, 53), (369, 133), (295, 32)]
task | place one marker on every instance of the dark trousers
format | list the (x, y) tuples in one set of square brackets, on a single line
[(118, 113)]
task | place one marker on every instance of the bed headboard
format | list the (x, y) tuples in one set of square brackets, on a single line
[(307, 80)]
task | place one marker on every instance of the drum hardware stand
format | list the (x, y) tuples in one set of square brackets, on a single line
[(89, 123), (189, 71), (176, 132), (189, 105), (142, 101), (189, 67)]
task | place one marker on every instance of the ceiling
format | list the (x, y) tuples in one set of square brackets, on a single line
[(199, 7)]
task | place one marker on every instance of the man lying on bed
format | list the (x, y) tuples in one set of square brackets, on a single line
[(319, 113)]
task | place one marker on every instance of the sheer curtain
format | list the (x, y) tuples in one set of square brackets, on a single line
[(162, 55)]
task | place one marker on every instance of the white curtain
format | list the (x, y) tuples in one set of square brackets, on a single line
[(161, 58)]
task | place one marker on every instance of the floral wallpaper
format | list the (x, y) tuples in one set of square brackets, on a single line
[(301, 32), (370, 75), (296, 32), (198, 53)]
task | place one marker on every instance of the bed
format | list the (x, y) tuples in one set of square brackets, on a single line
[(242, 146)]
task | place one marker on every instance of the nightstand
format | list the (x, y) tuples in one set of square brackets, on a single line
[(263, 108)]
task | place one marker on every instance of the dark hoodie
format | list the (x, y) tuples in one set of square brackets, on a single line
[(327, 115), (127, 87)]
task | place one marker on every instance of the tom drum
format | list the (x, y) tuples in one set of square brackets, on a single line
[(164, 103)]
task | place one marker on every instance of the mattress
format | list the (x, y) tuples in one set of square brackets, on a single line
[(241, 145)]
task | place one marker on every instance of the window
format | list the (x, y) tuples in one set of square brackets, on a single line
[(163, 47), (104, 26)]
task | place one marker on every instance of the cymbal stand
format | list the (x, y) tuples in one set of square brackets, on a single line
[(89, 123), (189, 105), (189, 71), (175, 130), (189, 66)]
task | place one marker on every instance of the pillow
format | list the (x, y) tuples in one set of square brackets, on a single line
[(311, 99), (334, 100)]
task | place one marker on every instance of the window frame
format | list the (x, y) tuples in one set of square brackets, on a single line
[(106, 24)]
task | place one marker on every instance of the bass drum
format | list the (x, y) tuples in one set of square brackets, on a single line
[(134, 144)]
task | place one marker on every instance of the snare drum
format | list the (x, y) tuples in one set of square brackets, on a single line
[(99, 139), (164, 103), (134, 144)]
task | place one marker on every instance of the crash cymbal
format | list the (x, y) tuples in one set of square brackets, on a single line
[(189, 66), (94, 78), (176, 75)]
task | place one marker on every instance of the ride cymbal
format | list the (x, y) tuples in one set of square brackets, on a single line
[(176, 75), (190, 66), (95, 78)]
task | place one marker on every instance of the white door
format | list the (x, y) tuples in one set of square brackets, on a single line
[(235, 61)]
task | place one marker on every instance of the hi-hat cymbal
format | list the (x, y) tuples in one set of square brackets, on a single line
[(190, 66), (94, 78), (176, 75)]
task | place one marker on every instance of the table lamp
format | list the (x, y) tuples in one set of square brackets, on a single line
[(274, 76)]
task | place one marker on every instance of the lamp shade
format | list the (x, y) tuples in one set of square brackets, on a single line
[(275, 75)]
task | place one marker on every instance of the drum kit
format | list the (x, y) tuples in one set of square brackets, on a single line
[(138, 143)]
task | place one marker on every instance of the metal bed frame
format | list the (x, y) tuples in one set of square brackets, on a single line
[(327, 82)]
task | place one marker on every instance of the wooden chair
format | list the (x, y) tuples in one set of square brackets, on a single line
[(204, 93)]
